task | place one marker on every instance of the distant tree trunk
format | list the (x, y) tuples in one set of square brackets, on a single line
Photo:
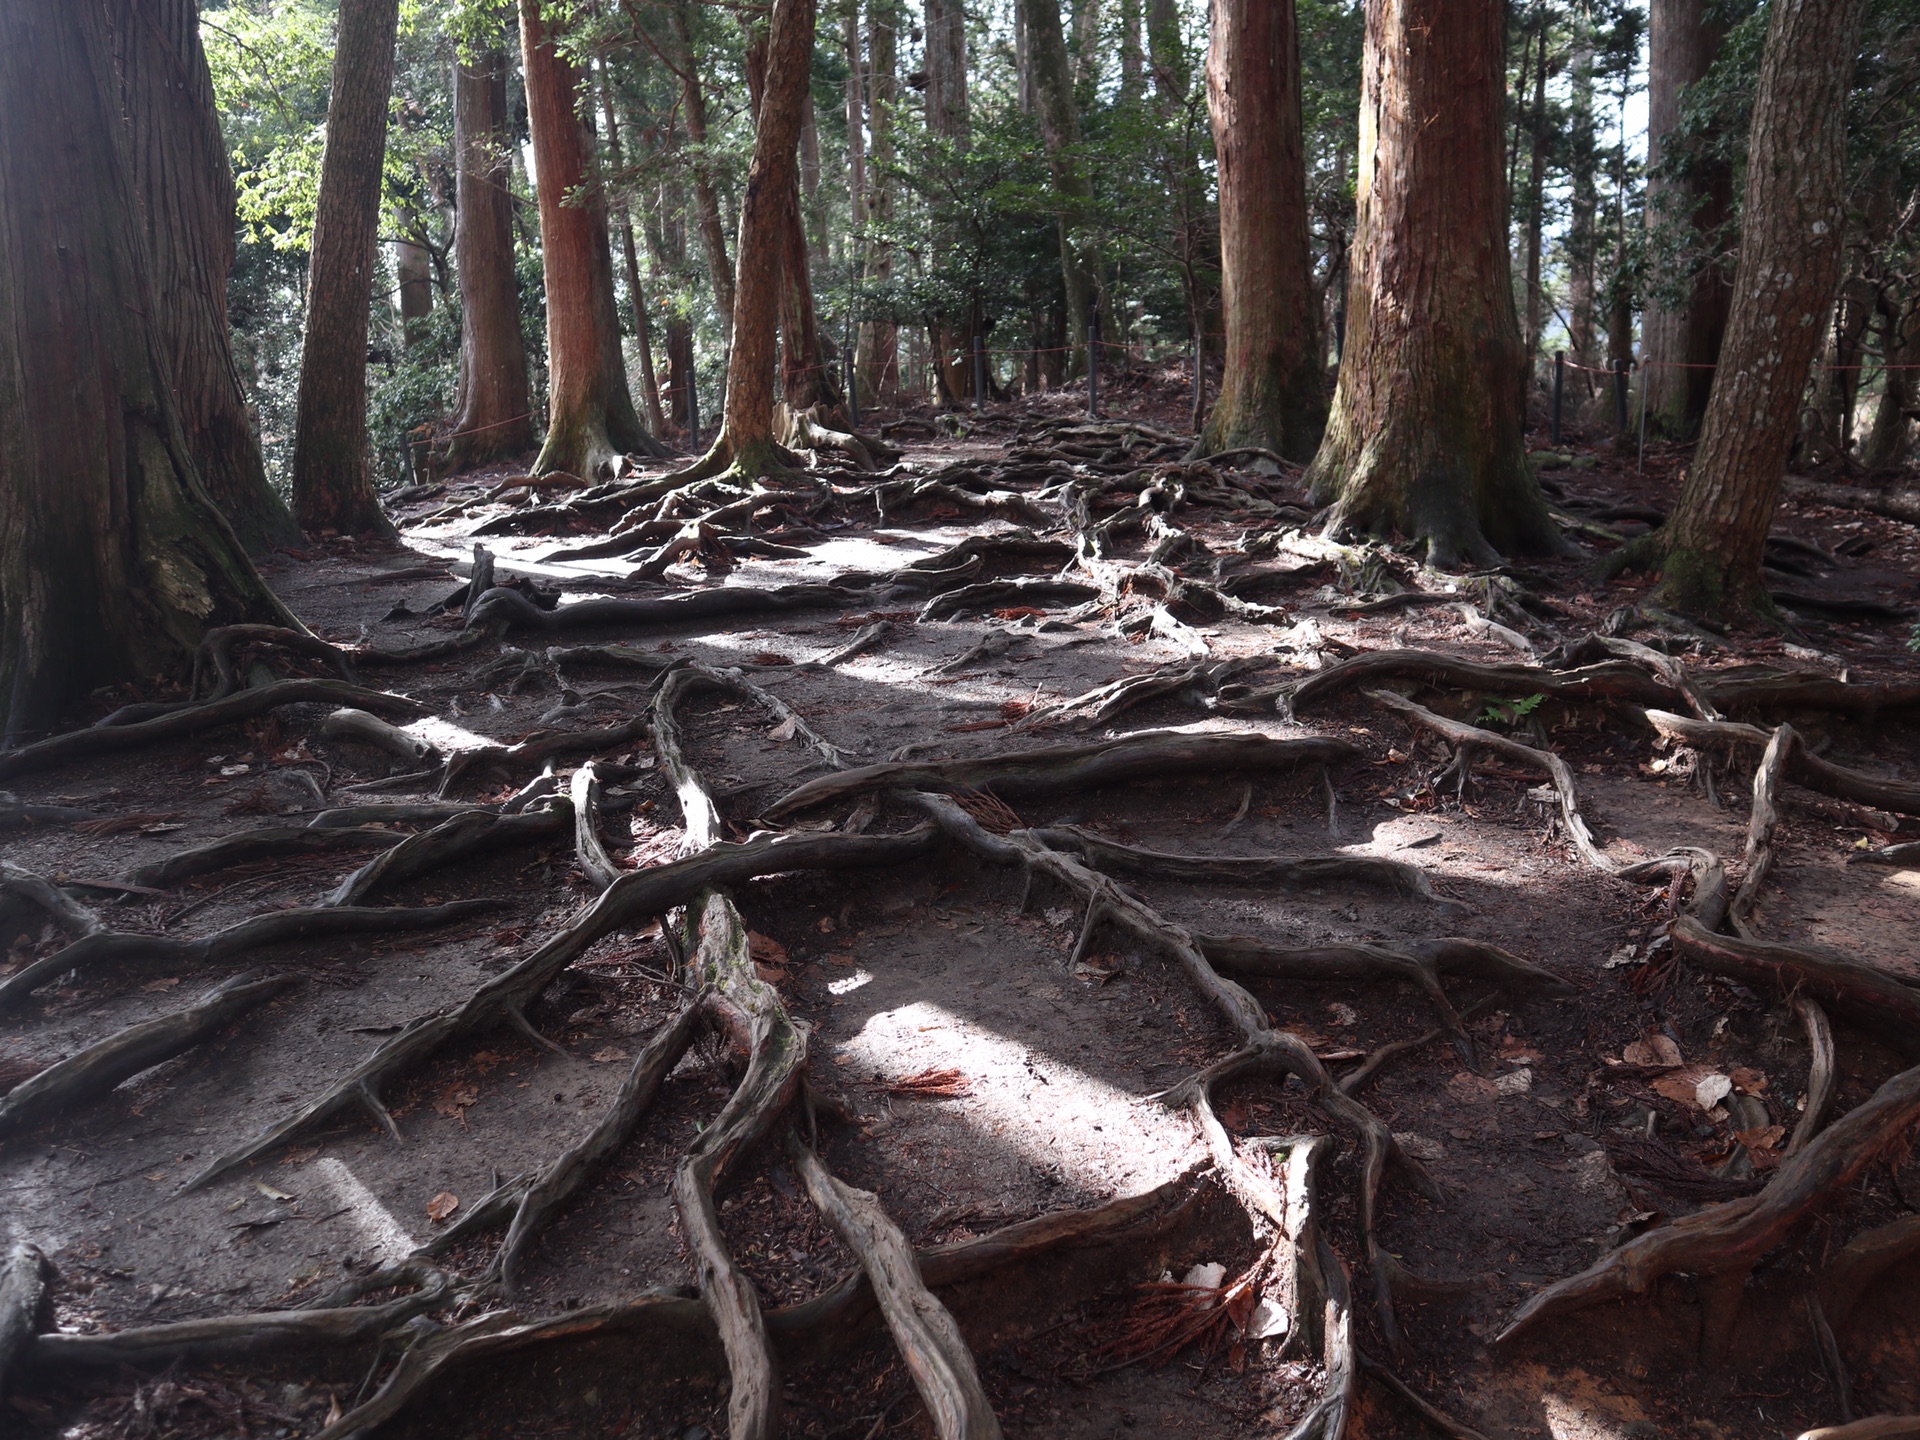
[(114, 560), (1682, 344), (186, 198), (1886, 444), (1133, 71), (1086, 49), (706, 195), (332, 488), (492, 416), (1712, 544), (591, 414), (642, 328), (879, 353), (946, 55), (1060, 129), (1425, 434), (745, 443), (1536, 202), (413, 267), (1167, 54), (1272, 393), (1826, 423), (1584, 210)]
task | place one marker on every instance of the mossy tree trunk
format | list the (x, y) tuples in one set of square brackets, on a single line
[(591, 418), (1273, 392), (113, 557), (491, 412), (186, 198), (332, 485), (1790, 259), (1425, 436)]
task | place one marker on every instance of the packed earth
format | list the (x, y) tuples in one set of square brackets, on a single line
[(1031, 940)]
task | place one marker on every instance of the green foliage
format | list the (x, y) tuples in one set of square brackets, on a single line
[(1510, 713)]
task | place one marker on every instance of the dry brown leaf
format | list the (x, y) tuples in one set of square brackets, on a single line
[(1684, 1084), (785, 730), (765, 950), (441, 1206), (455, 1099), (1747, 1080), (1655, 1049), (609, 1055), (772, 974)]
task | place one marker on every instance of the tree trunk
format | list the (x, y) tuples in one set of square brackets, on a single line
[(879, 355), (186, 198), (1886, 443), (642, 328), (745, 442), (1682, 344), (1425, 434), (1826, 424), (946, 56), (113, 558), (1536, 204), (1272, 393), (706, 196), (1789, 264), (492, 416), (332, 486), (1583, 210), (1060, 130), (1133, 69), (1167, 54), (413, 269), (591, 414), (1086, 49)]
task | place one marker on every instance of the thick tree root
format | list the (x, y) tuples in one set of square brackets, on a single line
[(923, 1330), (1436, 1419), (1880, 1427), (358, 725), (1468, 740), (1823, 1073), (1906, 856), (414, 812), (1607, 681), (1764, 820), (999, 593), (37, 758), (273, 842), (473, 833), (1867, 996), (1063, 769), (1724, 1242), (536, 750), (1708, 899), (24, 1276), (332, 1321), (1316, 1292), (36, 890), (1865, 1257), (1801, 765), (588, 848), (1103, 702), (636, 898), (70, 1083), (277, 927), (16, 814)]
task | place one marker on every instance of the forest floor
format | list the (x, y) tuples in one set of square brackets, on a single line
[(987, 1066)]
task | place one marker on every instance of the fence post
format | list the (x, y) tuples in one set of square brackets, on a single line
[(1093, 366), (979, 372), (1620, 396), (1640, 462), (1559, 380), (1199, 378), (693, 412), (853, 375)]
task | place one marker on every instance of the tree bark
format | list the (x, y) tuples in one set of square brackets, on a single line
[(1826, 424), (492, 416), (113, 557), (1536, 201), (186, 198), (1789, 265), (591, 416), (706, 196), (1682, 344), (1272, 393), (1886, 444), (332, 484), (745, 443), (1060, 130), (1425, 434), (413, 270), (642, 328), (878, 362), (1583, 209), (946, 56)]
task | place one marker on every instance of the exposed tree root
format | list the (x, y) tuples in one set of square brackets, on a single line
[(15, 814), (331, 1321), (636, 898), (274, 928), (68, 1084), (69, 914), (1868, 996), (692, 678), (270, 842), (242, 705), (588, 848), (1823, 1073), (1801, 765), (372, 730), (1880, 1427), (1436, 1419), (1906, 856), (1724, 1242), (471, 833), (536, 750), (24, 1276), (1103, 702), (410, 812), (1865, 1257), (1764, 820), (1317, 1293), (1468, 740), (1608, 680), (923, 1330), (1708, 899), (989, 594), (1062, 769)]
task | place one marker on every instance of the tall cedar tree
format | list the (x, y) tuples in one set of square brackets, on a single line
[(1425, 433), (591, 416), (1059, 115), (706, 192), (492, 406), (186, 198), (1682, 343), (879, 357), (113, 558), (1712, 544), (745, 444), (332, 484), (1273, 393)]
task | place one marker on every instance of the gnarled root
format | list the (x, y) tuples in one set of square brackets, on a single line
[(269, 842), (1724, 1242), (1823, 1073), (537, 749), (1856, 1267), (36, 890), (470, 833), (1879, 1427), (94, 1071), (923, 1330), (24, 1275)]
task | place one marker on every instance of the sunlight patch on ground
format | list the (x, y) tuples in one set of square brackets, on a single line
[(376, 1225), (1049, 1112), (446, 736)]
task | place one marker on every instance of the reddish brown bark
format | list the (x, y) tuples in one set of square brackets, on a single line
[(332, 484), (1272, 393), (706, 195), (591, 417), (1790, 262), (491, 412), (1425, 434), (642, 328), (879, 357), (113, 559), (1682, 343)]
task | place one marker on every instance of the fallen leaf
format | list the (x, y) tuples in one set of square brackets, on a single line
[(785, 729), (765, 950), (270, 1192), (442, 1205), (1656, 1049), (1688, 1083), (839, 959), (1517, 1082), (772, 974), (1711, 1090), (456, 1098), (1747, 1080), (154, 987), (609, 1055)]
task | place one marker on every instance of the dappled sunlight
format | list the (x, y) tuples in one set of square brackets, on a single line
[(386, 1238)]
